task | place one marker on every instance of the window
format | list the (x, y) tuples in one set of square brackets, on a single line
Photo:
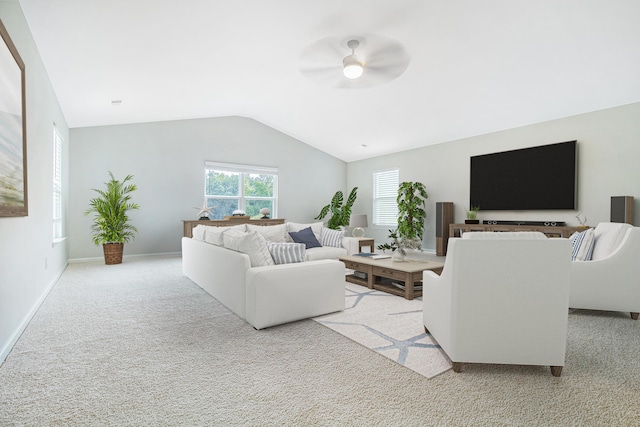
[(385, 193), (240, 187), (57, 184)]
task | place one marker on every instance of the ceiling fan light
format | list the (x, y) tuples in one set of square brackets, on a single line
[(353, 67)]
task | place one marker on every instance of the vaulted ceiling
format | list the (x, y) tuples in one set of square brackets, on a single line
[(474, 66)]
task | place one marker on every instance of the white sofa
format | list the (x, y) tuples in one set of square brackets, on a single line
[(501, 298), (280, 233), (263, 293), (611, 279)]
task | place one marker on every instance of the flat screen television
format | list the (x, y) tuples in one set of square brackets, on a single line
[(535, 178)]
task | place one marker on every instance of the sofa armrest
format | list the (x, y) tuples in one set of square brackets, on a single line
[(287, 292), (219, 271), (351, 245)]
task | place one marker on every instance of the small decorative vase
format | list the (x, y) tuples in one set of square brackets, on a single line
[(397, 256)]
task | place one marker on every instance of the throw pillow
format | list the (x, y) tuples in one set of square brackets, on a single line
[(305, 236), (316, 227), (250, 243), (287, 253), (582, 245), (330, 237)]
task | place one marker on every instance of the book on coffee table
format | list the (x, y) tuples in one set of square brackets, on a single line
[(380, 256)]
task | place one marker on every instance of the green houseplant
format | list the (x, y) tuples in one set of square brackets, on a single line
[(401, 244), (339, 208), (472, 215), (411, 214), (111, 227)]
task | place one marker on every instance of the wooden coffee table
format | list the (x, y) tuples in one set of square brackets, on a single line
[(381, 274)]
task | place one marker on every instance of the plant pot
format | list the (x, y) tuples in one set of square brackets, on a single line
[(472, 221), (113, 253)]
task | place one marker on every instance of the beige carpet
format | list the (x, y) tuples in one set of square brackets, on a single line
[(389, 325), (138, 344)]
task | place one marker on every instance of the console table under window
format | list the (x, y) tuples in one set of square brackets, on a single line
[(190, 224)]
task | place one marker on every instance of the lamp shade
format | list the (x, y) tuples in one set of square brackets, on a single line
[(358, 221)]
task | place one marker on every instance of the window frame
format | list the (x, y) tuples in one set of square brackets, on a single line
[(243, 171), (384, 197)]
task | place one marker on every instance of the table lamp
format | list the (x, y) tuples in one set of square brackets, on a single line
[(358, 221)]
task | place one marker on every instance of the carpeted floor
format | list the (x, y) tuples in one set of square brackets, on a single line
[(138, 344)]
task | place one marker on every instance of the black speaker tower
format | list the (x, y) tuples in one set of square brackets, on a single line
[(622, 209), (444, 217)]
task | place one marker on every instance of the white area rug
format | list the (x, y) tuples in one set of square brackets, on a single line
[(389, 325)]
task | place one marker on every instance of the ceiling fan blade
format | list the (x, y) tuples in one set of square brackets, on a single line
[(389, 71), (384, 60), (320, 71), (388, 55), (324, 51)]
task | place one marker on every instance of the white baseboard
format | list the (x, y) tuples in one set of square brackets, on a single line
[(100, 258), (25, 322)]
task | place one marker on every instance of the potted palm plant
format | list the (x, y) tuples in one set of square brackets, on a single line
[(111, 227)]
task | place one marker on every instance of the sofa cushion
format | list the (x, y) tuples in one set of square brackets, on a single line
[(287, 253), (250, 243), (329, 237), (197, 233), (325, 252), (582, 245), (608, 236), (316, 227), (272, 233), (305, 236), (213, 235)]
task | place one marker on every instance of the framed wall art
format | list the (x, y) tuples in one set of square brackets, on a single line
[(13, 135)]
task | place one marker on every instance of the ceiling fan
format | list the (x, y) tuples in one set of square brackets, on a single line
[(355, 61)]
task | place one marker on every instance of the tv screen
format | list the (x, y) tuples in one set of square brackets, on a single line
[(535, 178)]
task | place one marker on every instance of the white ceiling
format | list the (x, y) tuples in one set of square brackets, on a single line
[(475, 67)]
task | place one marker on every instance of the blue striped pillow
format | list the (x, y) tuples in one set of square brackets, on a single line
[(583, 243), (329, 237), (287, 253)]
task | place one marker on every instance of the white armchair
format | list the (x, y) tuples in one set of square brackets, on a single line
[(611, 280), (501, 298)]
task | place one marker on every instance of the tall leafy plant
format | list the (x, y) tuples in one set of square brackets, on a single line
[(411, 214), (339, 208), (110, 220)]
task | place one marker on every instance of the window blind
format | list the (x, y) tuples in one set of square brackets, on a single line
[(385, 193)]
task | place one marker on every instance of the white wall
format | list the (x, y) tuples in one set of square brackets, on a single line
[(167, 161), (29, 261), (608, 165)]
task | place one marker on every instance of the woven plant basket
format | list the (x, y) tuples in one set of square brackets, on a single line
[(113, 253)]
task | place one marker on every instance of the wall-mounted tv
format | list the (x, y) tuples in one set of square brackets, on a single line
[(535, 178)]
